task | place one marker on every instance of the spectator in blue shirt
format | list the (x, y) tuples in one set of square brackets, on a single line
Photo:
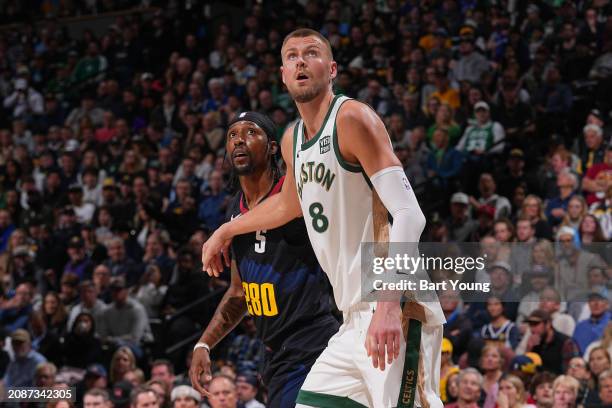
[(6, 229), (20, 371), (444, 162), (214, 202), (591, 329), (15, 312), (557, 207)]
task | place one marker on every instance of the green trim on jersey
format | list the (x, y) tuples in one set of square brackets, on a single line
[(306, 145), (315, 399), (353, 168), (295, 138), (367, 179), (410, 375)]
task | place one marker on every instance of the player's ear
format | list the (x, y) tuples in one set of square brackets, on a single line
[(282, 71), (333, 69)]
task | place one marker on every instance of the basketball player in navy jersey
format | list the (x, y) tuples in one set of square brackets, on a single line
[(275, 276)]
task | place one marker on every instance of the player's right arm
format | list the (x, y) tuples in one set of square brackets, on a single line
[(273, 212), (229, 313)]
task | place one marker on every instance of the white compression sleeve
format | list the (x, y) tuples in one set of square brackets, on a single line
[(397, 195)]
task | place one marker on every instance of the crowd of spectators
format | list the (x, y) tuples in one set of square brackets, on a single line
[(113, 174)]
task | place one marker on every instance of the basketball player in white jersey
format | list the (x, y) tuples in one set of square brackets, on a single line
[(343, 176)]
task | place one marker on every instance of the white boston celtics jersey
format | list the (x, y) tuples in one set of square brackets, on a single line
[(339, 206)]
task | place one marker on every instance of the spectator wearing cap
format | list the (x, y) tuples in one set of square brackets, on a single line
[(21, 369), (555, 348), (471, 64), (484, 135), (69, 289), (594, 147), (125, 321), (460, 225), (488, 197), (591, 329), (574, 264), (78, 263), (184, 396), (88, 302), (247, 387), (598, 179), (97, 398), (14, 312), (443, 90), (447, 367)]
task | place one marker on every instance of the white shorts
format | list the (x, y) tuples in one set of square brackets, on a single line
[(343, 375)]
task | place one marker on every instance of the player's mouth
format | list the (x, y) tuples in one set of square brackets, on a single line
[(301, 78), (240, 156)]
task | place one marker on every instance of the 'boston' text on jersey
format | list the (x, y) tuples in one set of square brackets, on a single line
[(309, 172)]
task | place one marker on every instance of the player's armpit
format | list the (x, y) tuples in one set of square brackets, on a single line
[(363, 138)]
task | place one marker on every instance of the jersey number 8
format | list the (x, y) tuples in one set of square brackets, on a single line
[(260, 299)]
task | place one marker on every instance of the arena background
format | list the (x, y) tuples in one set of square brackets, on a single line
[(113, 174)]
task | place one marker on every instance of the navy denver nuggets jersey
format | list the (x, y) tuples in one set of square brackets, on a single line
[(286, 291)]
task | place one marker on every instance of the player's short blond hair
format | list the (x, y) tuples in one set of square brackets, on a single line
[(307, 32)]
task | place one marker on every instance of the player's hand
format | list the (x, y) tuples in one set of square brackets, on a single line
[(200, 364), (212, 250), (384, 334)]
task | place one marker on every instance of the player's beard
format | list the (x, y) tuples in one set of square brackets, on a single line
[(307, 94)]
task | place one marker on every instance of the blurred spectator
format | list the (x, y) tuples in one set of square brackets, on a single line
[(125, 321), (247, 387), (183, 396), (44, 375), (565, 391), (482, 137), (223, 393), (470, 387), (500, 330), (598, 179), (541, 389), (163, 370), (82, 345), (96, 398), (24, 102), (144, 397), (20, 371), (15, 311), (458, 327), (488, 197), (460, 224), (587, 331)]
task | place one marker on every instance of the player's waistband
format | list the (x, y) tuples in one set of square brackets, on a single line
[(360, 307)]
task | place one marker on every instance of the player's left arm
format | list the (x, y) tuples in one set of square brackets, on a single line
[(363, 139)]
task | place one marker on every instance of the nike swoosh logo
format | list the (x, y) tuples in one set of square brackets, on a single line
[(234, 217)]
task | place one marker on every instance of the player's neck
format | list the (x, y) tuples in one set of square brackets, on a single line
[(313, 113), (256, 186)]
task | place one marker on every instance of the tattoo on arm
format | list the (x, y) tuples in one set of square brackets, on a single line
[(229, 313)]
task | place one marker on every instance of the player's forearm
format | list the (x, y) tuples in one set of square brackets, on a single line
[(272, 213), (229, 313)]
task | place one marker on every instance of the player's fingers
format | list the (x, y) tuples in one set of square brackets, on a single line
[(217, 266), (390, 348), (396, 345), (194, 376), (381, 353), (373, 350)]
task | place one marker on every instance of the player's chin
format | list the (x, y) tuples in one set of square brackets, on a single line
[(243, 169)]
